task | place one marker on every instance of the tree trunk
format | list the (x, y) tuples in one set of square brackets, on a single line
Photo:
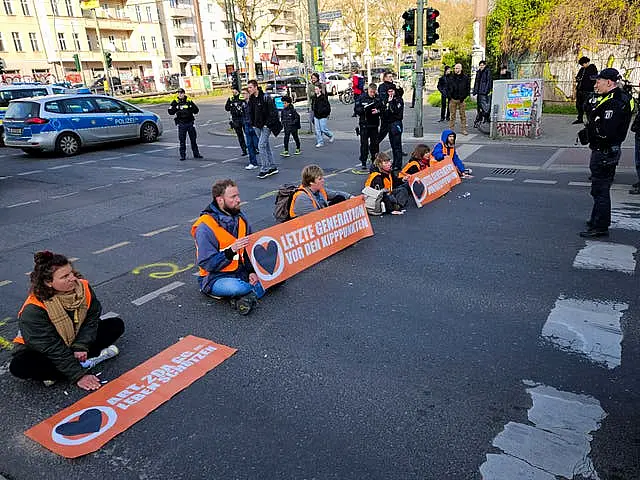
[(251, 64)]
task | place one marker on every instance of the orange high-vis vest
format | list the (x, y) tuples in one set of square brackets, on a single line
[(386, 179), (32, 300), (452, 151), (404, 172), (225, 239), (302, 190)]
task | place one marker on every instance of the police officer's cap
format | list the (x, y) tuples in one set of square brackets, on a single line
[(181, 90), (608, 74)]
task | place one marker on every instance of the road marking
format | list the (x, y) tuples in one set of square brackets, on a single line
[(5, 282), (104, 316), (556, 443), (625, 211), (86, 162), (128, 181), (101, 186), (542, 182), (267, 195), (30, 172), (4, 178), (579, 184), (231, 159), (502, 165), (73, 259), (193, 219), (156, 293), (112, 247), (58, 167), (110, 158), (208, 164), (130, 155), (21, 204), (498, 179), (467, 150), (155, 151), (587, 327), (553, 158), (130, 169), (167, 144), (243, 203), (55, 197), (606, 256), (183, 170), (160, 174), (161, 230)]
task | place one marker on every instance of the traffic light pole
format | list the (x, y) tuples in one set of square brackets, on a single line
[(419, 88), (107, 76)]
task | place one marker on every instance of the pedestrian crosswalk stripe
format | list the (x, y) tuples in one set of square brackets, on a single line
[(606, 256)]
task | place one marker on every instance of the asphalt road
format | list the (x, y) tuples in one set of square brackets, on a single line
[(404, 356)]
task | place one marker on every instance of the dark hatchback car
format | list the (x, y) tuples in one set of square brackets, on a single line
[(295, 87)]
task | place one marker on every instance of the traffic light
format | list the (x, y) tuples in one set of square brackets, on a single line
[(235, 81), (299, 54), (432, 26), (107, 58), (409, 27), (3, 65), (76, 60)]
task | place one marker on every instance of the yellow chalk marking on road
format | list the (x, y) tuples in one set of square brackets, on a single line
[(171, 269), (5, 282), (6, 344), (4, 321), (267, 195)]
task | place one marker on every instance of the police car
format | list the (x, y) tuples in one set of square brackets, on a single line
[(65, 123)]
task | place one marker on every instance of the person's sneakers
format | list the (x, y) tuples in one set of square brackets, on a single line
[(332, 139), (405, 154), (272, 171), (297, 152), (441, 120), (245, 153), (198, 156), (464, 132), (251, 166), (263, 174), (48, 383), (105, 354), (182, 159), (635, 190), (285, 153), (593, 233), (577, 122), (318, 145), (468, 171), (245, 304)]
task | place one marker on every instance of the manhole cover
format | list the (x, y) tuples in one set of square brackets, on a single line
[(504, 171)]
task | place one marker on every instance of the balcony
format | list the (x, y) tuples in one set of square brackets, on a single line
[(184, 11), (184, 32), (186, 51), (108, 23)]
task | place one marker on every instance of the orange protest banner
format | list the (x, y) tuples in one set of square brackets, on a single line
[(91, 422), (281, 251), (433, 182)]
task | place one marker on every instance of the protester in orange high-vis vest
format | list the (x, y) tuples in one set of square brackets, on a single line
[(312, 195), (420, 159), (61, 334), (446, 148), (397, 195), (221, 237)]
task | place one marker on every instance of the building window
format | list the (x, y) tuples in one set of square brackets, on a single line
[(105, 8), (180, 42), (8, 8), (25, 8), (143, 42), (215, 43), (210, 7), (89, 43), (154, 45), (76, 42), (177, 23), (119, 12), (149, 15), (54, 8), (125, 47), (138, 13), (62, 43), (228, 42), (34, 42), (1, 43), (69, 6), (16, 41)]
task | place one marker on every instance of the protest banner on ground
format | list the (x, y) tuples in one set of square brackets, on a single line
[(91, 422), (433, 181), (281, 251)]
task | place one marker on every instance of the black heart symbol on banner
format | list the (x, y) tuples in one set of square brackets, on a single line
[(267, 257), (418, 188), (89, 422)]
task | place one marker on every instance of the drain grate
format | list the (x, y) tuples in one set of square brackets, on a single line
[(504, 171)]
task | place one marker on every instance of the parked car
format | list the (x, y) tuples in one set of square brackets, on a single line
[(337, 83), (295, 87), (66, 123)]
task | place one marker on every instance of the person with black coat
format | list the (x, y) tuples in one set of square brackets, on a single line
[(459, 87), (585, 81), (185, 111), (368, 109), (263, 115), (482, 88), (235, 106), (392, 114), (321, 110), (290, 124), (444, 95)]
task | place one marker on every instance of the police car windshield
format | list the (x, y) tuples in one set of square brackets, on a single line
[(22, 110), (7, 95)]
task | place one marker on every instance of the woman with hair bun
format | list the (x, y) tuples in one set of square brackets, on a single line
[(61, 334)]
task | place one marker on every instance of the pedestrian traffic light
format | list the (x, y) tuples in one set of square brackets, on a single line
[(107, 58), (432, 26), (409, 27), (299, 54), (235, 81), (2, 65), (76, 60)]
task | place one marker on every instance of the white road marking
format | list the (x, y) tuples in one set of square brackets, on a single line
[(55, 197), (58, 167), (100, 186), (6, 282), (86, 162), (73, 259), (30, 172), (130, 169), (208, 164), (267, 195), (112, 247), (556, 445), (4, 178), (231, 159), (579, 184), (183, 170), (110, 158), (161, 230), (160, 174), (163, 144), (587, 327), (109, 315), (467, 150), (498, 179), (22, 204), (553, 158), (606, 256), (130, 155), (501, 165), (625, 210), (541, 182), (155, 151), (128, 181), (156, 293)]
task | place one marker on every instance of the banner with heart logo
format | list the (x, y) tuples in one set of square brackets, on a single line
[(88, 424), (281, 251), (433, 182)]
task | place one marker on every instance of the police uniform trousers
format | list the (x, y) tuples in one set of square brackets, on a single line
[(368, 143), (603, 169), (185, 129)]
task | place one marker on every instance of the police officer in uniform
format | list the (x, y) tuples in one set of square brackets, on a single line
[(608, 119), (184, 110)]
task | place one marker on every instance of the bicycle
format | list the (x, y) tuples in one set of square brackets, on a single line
[(347, 96)]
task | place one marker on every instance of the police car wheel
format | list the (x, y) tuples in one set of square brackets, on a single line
[(68, 144), (149, 133)]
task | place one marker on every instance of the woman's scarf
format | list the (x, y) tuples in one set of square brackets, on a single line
[(57, 308)]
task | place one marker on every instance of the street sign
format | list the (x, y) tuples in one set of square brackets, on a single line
[(274, 57), (332, 15), (323, 27), (241, 39), (89, 4)]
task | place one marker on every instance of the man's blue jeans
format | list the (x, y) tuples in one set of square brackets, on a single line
[(252, 143), (234, 287), (266, 156)]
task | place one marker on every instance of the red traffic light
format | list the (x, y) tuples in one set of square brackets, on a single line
[(432, 14)]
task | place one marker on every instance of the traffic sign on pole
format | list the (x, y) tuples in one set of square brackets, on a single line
[(241, 39), (332, 15), (274, 57)]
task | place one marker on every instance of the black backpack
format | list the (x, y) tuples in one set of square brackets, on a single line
[(283, 202)]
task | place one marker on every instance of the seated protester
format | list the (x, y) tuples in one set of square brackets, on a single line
[(420, 159), (311, 195), (221, 237), (397, 196), (61, 334), (447, 149)]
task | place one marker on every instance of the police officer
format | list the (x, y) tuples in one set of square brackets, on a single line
[(392, 113), (184, 110), (608, 119), (235, 106), (368, 108)]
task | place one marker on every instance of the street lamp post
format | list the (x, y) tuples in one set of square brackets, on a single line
[(367, 50), (418, 130)]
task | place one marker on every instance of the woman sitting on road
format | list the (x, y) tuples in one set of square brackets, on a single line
[(420, 159), (61, 333), (396, 195)]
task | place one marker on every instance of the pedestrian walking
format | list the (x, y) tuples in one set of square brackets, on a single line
[(482, 89), (368, 108), (444, 95), (250, 134), (321, 110), (235, 106), (185, 111), (264, 119), (458, 90), (290, 119), (584, 86), (608, 121)]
